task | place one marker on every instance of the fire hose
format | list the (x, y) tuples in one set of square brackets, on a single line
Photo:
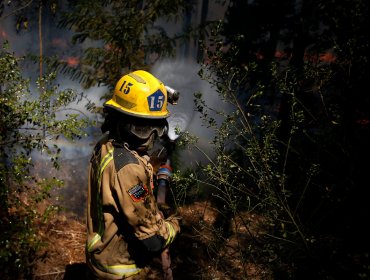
[(165, 255), (163, 174)]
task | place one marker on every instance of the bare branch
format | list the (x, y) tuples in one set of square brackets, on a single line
[(16, 11)]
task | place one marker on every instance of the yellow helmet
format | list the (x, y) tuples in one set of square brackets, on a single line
[(140, 94)]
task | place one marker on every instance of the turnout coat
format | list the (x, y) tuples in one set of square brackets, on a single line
[(124, 226)]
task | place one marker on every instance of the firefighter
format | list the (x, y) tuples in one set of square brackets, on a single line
[(125, 228)]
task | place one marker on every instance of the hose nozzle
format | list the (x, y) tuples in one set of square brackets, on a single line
[(172, 95)]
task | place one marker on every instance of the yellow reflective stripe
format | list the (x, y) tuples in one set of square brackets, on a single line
[(93, 241), (123, 270), (103, 164), (171, 233)]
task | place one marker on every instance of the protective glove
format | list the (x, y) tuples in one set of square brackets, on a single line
[(175, 222)]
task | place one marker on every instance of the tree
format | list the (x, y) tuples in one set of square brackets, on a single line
[(122, 36)]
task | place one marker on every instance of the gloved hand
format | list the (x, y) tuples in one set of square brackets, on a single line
[(175, 222)]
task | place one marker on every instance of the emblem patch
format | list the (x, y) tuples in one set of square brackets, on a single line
[(156, 101), (138, 192)]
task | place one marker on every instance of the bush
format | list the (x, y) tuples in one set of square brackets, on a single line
[(29, 124)]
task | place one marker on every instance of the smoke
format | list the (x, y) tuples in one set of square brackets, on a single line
[(177, 124), (182, 75)]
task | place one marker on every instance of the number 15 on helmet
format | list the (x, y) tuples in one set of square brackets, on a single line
[(142, 95)]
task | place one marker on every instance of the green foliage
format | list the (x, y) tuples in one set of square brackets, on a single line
[(30, 122), (125, 36)]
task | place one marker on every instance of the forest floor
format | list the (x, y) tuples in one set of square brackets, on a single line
[(192, 254)]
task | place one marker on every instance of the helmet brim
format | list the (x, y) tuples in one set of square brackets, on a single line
[(114, 105)]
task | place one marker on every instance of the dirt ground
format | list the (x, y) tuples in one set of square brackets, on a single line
[(192, 254)]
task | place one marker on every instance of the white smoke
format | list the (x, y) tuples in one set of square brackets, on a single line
[(178, 123), (182, 75)]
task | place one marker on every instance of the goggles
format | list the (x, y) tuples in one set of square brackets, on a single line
[(143, 129)]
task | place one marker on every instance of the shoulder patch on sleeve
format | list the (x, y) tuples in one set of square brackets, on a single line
[(138, 192), (122, 157)]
